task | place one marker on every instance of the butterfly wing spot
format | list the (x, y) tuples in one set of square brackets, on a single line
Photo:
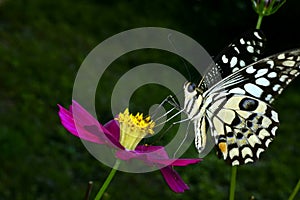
[(248, 104), (268, 97), (237, 50), (235, 69), (268, 141), (274, 116), (242, 63), (272, 75), (281, 56), (273, 130), (234, 152), (294, 72), (283, 78), (242, 41), (259, 151), (253, 89), (223, 147), (250, 70), (288, 63), (250, 49), (253, 140), (233, 61), (276, 87), (237, 90), (235, 162), (256, 34), (228, 116), (248, 160), (263, 133), (246, 151), (262, 81), (270, 63), (224, 59), (261, 72)]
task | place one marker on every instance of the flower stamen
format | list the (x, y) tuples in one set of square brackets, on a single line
[(133, 128)]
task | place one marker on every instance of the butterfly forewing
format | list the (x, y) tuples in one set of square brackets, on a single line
[(242, 52), (264, 79)]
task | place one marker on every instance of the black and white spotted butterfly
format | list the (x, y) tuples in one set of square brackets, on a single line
[(233, 99)]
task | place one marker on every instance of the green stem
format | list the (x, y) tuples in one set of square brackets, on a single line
[(232, 182), (295, 191), (259, 20), (108, 180)]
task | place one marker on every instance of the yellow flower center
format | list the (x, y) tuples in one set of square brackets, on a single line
[(133, 128)]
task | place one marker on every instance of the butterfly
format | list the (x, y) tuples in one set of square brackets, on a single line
[(232, 101)]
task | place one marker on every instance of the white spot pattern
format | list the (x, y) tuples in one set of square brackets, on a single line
[(262, 81), (250, 70), (253, 89), (224, 59), (261, 72), (233, 61), (250, 49)]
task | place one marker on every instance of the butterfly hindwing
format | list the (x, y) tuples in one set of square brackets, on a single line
[(242, 126)]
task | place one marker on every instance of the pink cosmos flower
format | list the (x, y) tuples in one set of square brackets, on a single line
[(89, 129)]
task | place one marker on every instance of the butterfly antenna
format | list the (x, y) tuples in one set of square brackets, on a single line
[(183, 61)]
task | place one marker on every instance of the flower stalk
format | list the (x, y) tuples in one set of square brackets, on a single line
[(259, 20), (108, 180), (232, 182), (295, 191)]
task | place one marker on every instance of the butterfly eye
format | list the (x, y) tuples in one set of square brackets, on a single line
[(191, 87)]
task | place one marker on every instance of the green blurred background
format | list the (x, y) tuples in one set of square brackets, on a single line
[(42, 44)]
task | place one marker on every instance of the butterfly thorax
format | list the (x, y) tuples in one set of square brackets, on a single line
[(195, 108)]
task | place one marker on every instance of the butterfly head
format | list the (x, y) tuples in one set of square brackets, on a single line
[(192, 99)]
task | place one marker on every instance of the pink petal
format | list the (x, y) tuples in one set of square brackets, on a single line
[(149, 154), (113, 127), (128, 155), (158, 154), (186, 161), (174, 180), (67, 121), (154, 155), (87, 127)]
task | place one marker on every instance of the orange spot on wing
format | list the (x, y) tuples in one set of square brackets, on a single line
[(222, 147)]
